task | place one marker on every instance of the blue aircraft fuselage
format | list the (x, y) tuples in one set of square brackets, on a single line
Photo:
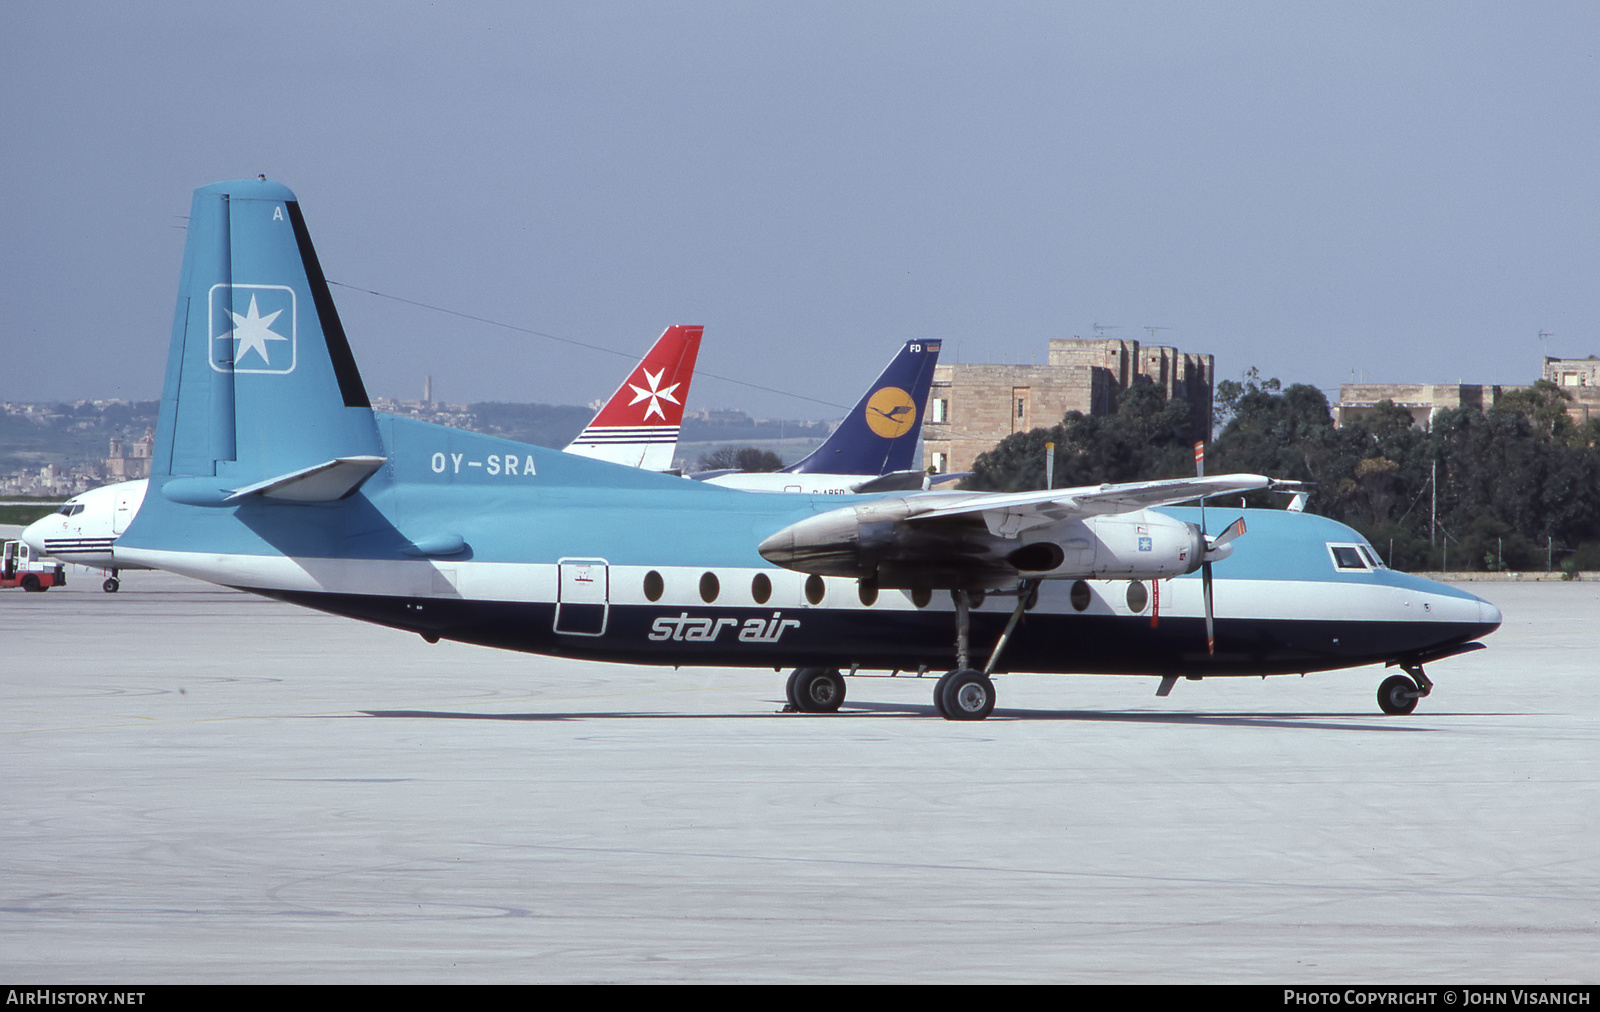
[(272, 473)]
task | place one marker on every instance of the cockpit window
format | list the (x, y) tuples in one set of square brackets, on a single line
[(71, 509), (1347, 557), (1371, 557)]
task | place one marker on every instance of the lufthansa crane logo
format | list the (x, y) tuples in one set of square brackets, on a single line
[(891, 412)]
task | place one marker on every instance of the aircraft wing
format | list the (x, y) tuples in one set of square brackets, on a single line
[(1021, 510), (963, 539)]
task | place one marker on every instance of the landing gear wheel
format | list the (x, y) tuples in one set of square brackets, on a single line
[(816, 690), (938, 694), (112, 585), (1398, 695), (966, 695)]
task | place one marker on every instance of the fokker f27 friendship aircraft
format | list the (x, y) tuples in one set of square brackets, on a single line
[(272, 474)]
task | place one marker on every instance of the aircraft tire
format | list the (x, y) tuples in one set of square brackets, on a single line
[(938, 694), (788, 689), (1397, 695), (966, 695), (817, 690), (112, 585)]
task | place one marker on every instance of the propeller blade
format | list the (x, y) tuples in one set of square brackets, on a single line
[(1211, 632), (1234, 530)]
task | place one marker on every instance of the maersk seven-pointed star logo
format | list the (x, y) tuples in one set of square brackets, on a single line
[(655, 393), (253, 329)]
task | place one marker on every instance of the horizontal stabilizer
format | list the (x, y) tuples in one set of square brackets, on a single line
[(324, 482), (894, 481)]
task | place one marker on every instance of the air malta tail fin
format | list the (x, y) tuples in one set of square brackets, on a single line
[(262, 395), (880, 434), (639, 425)]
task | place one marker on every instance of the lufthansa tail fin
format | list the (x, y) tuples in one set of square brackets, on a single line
[(880, 434), (639, 425), (262, 394)]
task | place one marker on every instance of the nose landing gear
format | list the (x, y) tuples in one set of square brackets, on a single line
[(1398, 694)]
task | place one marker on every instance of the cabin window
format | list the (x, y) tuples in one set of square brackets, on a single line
[(1138, 597), (760, 588), (654, 586), (1080, 596), (814, 589), (709, 587)]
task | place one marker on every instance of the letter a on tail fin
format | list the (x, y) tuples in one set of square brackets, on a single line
[(881, 432), (261, 386), (639, 425)]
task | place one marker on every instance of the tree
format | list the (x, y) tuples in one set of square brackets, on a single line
[(1225, 398), (1544, 405), (1513, 482), (739, 458)]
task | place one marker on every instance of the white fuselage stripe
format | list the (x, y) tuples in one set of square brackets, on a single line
[(1334, 599)]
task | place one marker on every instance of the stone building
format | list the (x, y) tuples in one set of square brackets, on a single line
[(973, 407), (1579, 379), (130, 459), (1423, 400)]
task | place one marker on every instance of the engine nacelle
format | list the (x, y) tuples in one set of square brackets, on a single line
[(1143, 546), (882, 543)]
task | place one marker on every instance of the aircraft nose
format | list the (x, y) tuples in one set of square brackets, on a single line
[(1488, 614), (33, 534)]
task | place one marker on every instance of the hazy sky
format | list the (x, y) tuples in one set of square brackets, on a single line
[(1407, 190)]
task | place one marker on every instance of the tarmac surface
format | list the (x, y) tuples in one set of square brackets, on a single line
[(205, 786)]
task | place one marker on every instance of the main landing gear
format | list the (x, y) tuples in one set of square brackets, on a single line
[(112, 584), (1399, 694), (963, 694), (967, 693)]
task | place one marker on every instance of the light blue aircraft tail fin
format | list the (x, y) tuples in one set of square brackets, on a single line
[(880, 434), (261, 389)]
